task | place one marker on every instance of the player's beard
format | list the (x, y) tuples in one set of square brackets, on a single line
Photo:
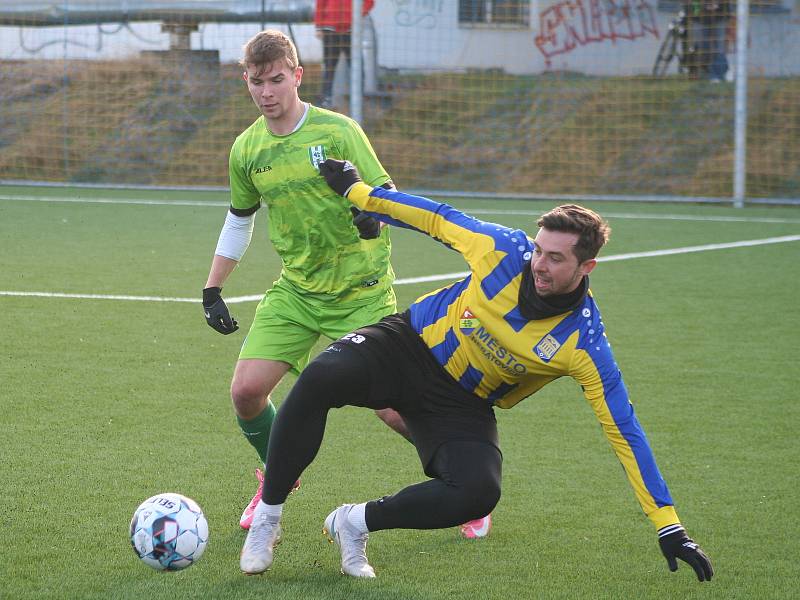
[(568, 287)]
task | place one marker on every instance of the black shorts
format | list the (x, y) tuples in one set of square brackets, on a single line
[(402, 373)]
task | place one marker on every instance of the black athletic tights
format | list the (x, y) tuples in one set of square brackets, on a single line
[(467, 473)]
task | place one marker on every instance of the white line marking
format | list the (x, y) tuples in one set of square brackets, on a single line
[(99, 296), (409, 280), (654, 217), (476, 211), (703, 248), (214, 203)]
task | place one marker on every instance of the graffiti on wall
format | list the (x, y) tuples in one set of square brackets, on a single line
[(417, 13), (568, 24)]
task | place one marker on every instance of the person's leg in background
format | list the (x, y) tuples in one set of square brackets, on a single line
[(330, 57)]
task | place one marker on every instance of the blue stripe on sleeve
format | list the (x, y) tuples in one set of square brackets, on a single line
[(391, 221), (447, 212), (616, 397)]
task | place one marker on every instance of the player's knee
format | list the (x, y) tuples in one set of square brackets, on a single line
[(249, 398), (481, 494)]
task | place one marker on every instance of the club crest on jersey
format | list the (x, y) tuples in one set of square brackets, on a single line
[(468, 322), (316, 155), (547, 347)]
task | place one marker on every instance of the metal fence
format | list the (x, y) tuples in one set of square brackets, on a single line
[(616, 99)]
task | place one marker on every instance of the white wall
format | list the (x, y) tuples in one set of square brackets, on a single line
[(587, 36), (592, 38), (111, 41)]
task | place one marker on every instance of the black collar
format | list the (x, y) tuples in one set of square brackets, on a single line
[(533, 306)]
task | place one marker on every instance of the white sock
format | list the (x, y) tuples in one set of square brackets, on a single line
[(357, 517), (273, 511)]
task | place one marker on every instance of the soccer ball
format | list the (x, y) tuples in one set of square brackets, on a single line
[(169, 532)]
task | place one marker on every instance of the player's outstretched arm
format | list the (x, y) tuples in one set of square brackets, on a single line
[(341, 176), (676, 544)]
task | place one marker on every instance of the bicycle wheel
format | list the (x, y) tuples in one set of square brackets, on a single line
[(665, 53)]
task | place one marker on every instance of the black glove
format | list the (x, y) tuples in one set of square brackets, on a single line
[(340, 175), (368, 227), (676, 544), (216, 311)]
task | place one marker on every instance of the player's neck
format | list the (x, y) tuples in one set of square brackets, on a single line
[(289, 121), (534, 306)]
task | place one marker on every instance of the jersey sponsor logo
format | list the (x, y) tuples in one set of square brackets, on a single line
[(264, 169), (369, 283), (547, 347), (468, 322), (495, 353), (316, 154)]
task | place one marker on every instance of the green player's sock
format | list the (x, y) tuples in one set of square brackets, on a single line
[(257, 430)]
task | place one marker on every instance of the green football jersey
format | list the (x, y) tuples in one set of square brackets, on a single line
[(311, 226)]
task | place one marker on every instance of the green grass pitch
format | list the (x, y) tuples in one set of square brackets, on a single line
[(106, 402)]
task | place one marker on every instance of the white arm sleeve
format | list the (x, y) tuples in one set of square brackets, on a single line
[(235, 236)]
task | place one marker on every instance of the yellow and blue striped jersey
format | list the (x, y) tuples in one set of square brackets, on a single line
[(476, 331)]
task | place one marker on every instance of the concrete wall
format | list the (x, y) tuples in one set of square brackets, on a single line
[(597, 37), (587, 36)]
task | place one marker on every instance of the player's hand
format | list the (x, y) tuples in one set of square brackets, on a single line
[(368, 227), (216, 311), (676, 544), (340, 175)]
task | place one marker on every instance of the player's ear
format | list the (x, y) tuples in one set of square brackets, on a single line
[(298, 76), (244, 75), (587, 266)]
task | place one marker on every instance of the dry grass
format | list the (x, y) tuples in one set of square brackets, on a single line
[(148, 122)]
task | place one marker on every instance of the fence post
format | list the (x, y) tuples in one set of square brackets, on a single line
[(356, 62), (740, 109)]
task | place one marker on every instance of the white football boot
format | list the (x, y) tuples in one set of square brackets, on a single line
[(352, 543), (262, 537)]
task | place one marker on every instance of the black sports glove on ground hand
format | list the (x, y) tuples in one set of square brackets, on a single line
[(368, 227), (676, 544), (216, 311), (340, 175)]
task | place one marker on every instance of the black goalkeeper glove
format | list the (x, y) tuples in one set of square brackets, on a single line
[(340, 175), (368, 227), (216, 311), (676, 544)]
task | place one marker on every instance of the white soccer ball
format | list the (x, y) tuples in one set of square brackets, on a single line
[(169, 532)]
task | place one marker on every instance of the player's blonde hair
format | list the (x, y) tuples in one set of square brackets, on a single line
[(593, 231), (267, 47)]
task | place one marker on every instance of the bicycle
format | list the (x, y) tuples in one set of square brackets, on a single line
[(675, 45)]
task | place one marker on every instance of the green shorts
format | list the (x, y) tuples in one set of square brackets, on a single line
[(286, 325)]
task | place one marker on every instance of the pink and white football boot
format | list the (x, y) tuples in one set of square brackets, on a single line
[(247, 516), (479, 528)]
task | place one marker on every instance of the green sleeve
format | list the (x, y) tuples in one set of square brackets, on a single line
[(357, 149), (244, 195)]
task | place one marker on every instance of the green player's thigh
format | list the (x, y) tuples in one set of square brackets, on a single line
[(286, 326)]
